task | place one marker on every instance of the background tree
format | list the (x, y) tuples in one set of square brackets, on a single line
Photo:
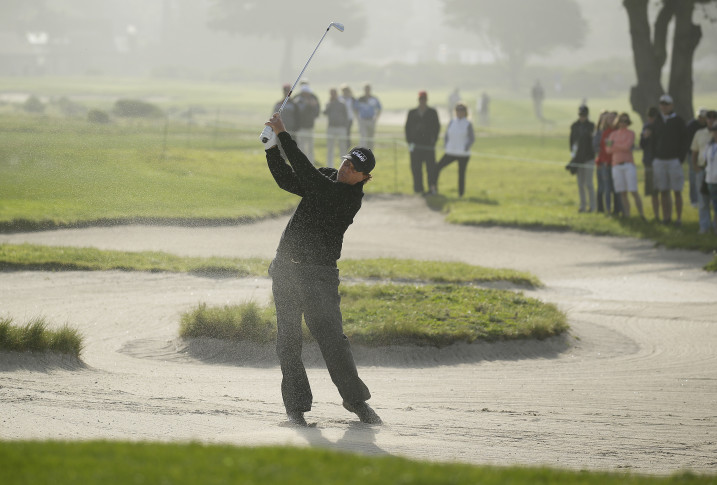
[(649, 48), (289, 21), (519, 29)]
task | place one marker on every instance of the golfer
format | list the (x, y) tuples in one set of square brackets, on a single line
[(305, 279)]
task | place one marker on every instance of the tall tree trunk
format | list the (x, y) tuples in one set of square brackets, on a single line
[(648, 58), (687, 38)]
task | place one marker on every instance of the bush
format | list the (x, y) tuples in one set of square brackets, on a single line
[(33, 105), (70, 108), (98, 116), (135, 108)]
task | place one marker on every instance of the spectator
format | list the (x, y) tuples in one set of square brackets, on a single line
[(620, 144), (338, 120), (368, 109), (647, 143), (290, 112), (711, 170), (458, 139), (308, 110), (605, 168), (583, 158), (453, 99), (347, 97), (538, 94), (670, 134), (692, 127), (597, 136), (422, 129), (700, 141), (484, 109)]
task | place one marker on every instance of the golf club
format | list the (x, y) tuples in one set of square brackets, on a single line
[(266, 133)]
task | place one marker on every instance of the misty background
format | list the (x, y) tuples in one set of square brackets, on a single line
[(402, 43)]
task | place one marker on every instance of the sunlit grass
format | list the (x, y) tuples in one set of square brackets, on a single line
[(57, 258), (56, 171), (390, 314), (35, 336), (110, 463)]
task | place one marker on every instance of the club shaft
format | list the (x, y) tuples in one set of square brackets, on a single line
[(302, 71)]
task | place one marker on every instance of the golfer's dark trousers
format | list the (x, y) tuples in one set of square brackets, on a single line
[(311, 291), (418, 157)]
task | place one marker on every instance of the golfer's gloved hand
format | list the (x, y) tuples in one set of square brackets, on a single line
[(411, 146), (271, 142)]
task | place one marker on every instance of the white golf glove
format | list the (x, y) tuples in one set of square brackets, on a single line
[(271, 142)]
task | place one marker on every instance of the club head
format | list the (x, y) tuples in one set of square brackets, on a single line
[(338, 26)]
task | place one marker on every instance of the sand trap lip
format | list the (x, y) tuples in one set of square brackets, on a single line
[(247, 354), (39, 362)]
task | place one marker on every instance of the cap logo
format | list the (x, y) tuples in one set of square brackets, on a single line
[(359, 155)]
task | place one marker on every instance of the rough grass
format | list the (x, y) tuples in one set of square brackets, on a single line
[(388, 314), (35, 336), (110, 463)]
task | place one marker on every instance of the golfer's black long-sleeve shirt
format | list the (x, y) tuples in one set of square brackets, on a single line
[(315, 232)]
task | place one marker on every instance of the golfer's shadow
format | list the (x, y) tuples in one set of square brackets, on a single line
[(358, 438)]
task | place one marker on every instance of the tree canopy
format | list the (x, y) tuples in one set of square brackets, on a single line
[(289, 21), (519, 29)]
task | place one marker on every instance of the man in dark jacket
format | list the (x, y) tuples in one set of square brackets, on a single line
[(583, 158), (647, 143), (422, 129), (670, 145), (308, 109), (305, 279)]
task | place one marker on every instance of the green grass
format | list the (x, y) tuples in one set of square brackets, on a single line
[(51, 258), (388, 314), (35, 336), (440, 315), (57, 171), (245, 322), (108, 463)]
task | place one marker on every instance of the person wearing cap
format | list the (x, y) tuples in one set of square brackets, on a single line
[(711, 171), (368, 109), (583, 159), (422, 128), (620, 145), (700, 140), (305, 278), (457, 143), (693, 126), (670, 142)]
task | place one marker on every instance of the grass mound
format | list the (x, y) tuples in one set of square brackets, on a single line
[(34, 336), (387, 314)]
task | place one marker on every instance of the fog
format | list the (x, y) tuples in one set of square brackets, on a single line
[(171, 38)]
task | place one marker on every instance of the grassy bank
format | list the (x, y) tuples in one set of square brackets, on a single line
[(387, 314), (31, 257), (35, 336), (109, 463)]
